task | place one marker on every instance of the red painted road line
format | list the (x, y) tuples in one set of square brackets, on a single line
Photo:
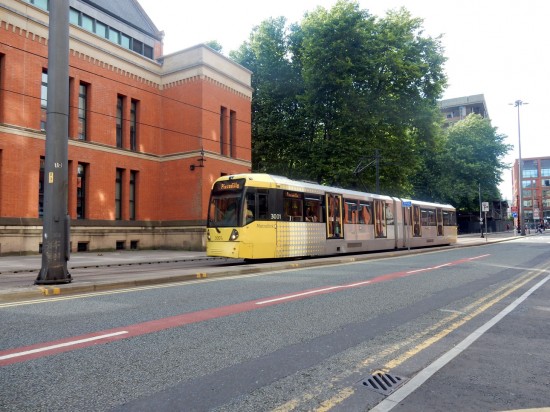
[(40, 350)]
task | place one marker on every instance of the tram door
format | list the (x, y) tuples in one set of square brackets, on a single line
[(335, 229), (439, 217), (417, 223)]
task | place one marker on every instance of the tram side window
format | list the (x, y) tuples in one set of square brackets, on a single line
[(263, 205), (439, 214), (350, 211), (428, 217), (449, 218), (389, 215), (313, 209), (249, 209), (379, 218), (365, 213), (293, 207)]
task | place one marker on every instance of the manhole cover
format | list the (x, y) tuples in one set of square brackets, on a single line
[(383, 383)]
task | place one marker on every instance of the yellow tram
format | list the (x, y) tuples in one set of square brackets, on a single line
[(261, 216)]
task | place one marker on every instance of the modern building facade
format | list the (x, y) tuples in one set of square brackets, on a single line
[(148, 133), (535, 186), (458, 108)]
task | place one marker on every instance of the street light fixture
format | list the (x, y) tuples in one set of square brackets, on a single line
[(480, 218), (518, 104)]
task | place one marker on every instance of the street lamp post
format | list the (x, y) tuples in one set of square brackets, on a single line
[(480, 218), (517, 104)]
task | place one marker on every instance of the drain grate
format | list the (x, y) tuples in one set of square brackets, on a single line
[(383, 383)]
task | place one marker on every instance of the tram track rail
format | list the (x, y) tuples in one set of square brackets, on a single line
[(124, 264)]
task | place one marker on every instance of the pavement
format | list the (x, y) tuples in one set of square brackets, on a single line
[(125, 269)]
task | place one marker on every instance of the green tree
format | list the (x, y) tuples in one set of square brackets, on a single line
[(276, 122), (369, 84), (472, 156), (340, 84), (215, 45)]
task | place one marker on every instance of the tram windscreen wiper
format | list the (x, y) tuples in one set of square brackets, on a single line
[(214, 226)]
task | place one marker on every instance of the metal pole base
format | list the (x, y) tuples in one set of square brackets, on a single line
[(53, 276)]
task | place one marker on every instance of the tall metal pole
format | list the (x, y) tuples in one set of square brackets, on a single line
[(517, 104), (55, 233), (480, 218)]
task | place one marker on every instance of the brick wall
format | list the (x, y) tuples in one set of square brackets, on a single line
[(178, 115)]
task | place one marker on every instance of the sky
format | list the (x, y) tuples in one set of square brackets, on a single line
[(498, 48)]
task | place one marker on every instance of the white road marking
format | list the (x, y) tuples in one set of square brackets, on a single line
[(61, 345), (399, 395), (263, 302)]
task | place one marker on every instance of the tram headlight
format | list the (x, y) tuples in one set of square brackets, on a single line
[(234, 235), (208, 235)]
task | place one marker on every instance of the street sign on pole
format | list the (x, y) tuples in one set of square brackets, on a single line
[(485, 206)]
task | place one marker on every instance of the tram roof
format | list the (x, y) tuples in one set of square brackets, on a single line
[(303, 186)]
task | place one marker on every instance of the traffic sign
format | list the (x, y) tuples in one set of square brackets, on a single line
[(407, 203), (514, 215)]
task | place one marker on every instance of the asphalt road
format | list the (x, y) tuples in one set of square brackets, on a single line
[(295, 339)]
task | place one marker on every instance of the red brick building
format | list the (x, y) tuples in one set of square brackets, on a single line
[(148, 133), (535, 186)]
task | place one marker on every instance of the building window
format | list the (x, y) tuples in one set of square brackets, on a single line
[(74, 17), (82, 111), (81, 191), (545, 167), (148, 51), (530, 168), (93, 25), (41, 187), (44, 100), (133, 124), (118, 194), (529, 173), (119, 119), (124, 41), (88, 23), (223, 114), (137, 46), (114, 35), (132, 195), (101, 29), (43, 4), (232, 132)]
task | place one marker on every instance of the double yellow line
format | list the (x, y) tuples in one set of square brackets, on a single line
[(417, 342)]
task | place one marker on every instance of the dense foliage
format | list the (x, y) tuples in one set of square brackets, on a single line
[(342, 84), (470, 161)]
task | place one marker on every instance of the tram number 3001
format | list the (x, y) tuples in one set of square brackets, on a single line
[(275, 216)]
